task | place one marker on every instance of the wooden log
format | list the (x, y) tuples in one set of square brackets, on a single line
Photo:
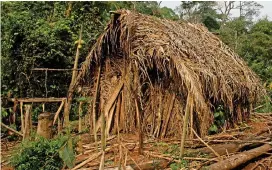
[(58, 111), (13, 130), (188, 110), (241, 158), (45, 121), (172, 101)]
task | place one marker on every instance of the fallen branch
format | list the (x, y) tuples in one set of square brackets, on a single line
[(241, 158), (206, 144), (90, 159), (16, 132)]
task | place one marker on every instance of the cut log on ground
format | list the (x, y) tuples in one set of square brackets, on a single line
[(241, 158)]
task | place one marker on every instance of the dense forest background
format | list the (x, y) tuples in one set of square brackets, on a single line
[(44, 35)]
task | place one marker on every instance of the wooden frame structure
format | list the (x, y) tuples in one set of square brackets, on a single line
[(26, 123)]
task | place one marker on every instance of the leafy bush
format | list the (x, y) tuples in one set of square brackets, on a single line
[(44, 154)]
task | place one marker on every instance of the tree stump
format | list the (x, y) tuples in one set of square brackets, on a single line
[(45, 121)]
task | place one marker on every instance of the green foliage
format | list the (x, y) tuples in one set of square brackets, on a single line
[(219, 120), (4, 113), (66, 153), (44, 154), (177, 166)]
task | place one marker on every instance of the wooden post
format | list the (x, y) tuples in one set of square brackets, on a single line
[(70, 90), (22, 117), (80, 126), (27, 121), (188, 109), (45, 121)]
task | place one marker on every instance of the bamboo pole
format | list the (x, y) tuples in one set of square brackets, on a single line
[(13, 130), (188, 109), (71, 89)]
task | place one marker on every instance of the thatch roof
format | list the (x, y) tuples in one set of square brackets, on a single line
[(189, 55)]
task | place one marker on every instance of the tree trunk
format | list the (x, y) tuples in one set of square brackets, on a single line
[(45, 121)]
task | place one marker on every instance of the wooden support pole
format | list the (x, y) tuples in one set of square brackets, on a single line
[(71, 87), (27, 122), (22, 117), (188, 110)]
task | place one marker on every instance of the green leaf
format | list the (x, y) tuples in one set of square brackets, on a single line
[(67, 155), (213, 128)]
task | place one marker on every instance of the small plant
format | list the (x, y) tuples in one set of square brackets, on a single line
[(181, 165), (219, 119), (44, 154)]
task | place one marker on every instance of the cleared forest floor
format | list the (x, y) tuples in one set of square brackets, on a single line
[(163, 154)]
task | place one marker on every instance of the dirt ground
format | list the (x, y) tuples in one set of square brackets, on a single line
[(164, 153)]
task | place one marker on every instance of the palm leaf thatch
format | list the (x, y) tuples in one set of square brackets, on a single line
[(156, 59)]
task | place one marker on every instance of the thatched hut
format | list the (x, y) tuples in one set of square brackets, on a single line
[(152, 70)]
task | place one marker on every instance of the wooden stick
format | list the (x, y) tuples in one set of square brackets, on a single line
[(206, 144), (188, 109), (90, 159), (16, 132), (38, 100), (58, 111), (54, 69), (94, 113), (172, 101), (22, 117)]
